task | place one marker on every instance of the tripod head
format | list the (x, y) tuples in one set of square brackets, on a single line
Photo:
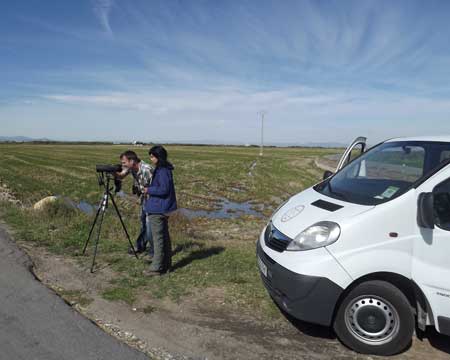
[(106, 173)]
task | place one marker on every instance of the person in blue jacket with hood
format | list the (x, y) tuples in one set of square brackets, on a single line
[(160, 202)]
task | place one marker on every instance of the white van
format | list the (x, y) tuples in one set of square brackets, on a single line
[(367, 250)]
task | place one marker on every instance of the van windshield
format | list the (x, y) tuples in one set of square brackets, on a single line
[(385, 171)]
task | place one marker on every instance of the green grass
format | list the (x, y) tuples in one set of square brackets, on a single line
[(119, 293), (207, 253)]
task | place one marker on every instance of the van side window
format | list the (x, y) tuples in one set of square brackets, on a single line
[(442, 205), (445, 155), (356, 151)]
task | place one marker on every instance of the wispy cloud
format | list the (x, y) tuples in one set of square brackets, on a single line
[(102, 9), (211, 99)]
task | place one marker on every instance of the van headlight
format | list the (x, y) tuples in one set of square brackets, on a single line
[(318, 235)]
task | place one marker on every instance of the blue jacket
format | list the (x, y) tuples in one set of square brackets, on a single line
[(162, 197)]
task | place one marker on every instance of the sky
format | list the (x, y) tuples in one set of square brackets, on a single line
[(202, 71)]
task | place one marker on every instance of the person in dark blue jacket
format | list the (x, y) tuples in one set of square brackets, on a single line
[(160, 202)]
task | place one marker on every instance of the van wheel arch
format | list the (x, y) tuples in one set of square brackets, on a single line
[(408, 287)]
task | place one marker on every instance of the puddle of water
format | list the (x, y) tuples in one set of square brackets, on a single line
[(252, 167), (227, 210), (121, 194), (83, 206), (236, 189)]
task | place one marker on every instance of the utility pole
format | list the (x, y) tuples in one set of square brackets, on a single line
[(262, 113)]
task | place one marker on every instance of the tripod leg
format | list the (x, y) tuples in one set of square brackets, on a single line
[(123, 225), (98, 238), (92, 229)]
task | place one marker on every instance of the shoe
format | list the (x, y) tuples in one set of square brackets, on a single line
[(148, 257), (130, 251), (149, 272)]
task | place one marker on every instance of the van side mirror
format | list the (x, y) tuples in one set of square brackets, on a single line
[(327, 174), (425, 211)]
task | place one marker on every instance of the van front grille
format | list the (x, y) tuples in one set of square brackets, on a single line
[(275, 240)]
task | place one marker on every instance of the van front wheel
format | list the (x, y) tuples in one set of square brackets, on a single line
[(375, 318)]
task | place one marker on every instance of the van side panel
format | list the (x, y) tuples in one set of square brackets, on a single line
[(379, 240)]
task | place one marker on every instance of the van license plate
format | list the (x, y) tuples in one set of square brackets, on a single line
[(262, 266)]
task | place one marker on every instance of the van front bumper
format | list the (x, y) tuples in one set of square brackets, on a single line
[(307, 298)]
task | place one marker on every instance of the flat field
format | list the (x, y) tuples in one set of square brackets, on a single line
[(227, 194)]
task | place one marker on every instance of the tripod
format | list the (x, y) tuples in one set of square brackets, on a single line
[(103, 206)]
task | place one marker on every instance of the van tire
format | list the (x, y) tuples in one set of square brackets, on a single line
[(375, 318)]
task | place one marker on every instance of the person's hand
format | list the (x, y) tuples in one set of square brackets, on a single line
[(121, 174), (145, 192)]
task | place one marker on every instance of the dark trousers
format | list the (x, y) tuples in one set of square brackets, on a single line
[(162, 260), (145, 236)]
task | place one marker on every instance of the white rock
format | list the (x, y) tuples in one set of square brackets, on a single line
[(44, 202)]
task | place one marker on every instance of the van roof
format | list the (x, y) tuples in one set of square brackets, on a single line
[(442, 138)]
